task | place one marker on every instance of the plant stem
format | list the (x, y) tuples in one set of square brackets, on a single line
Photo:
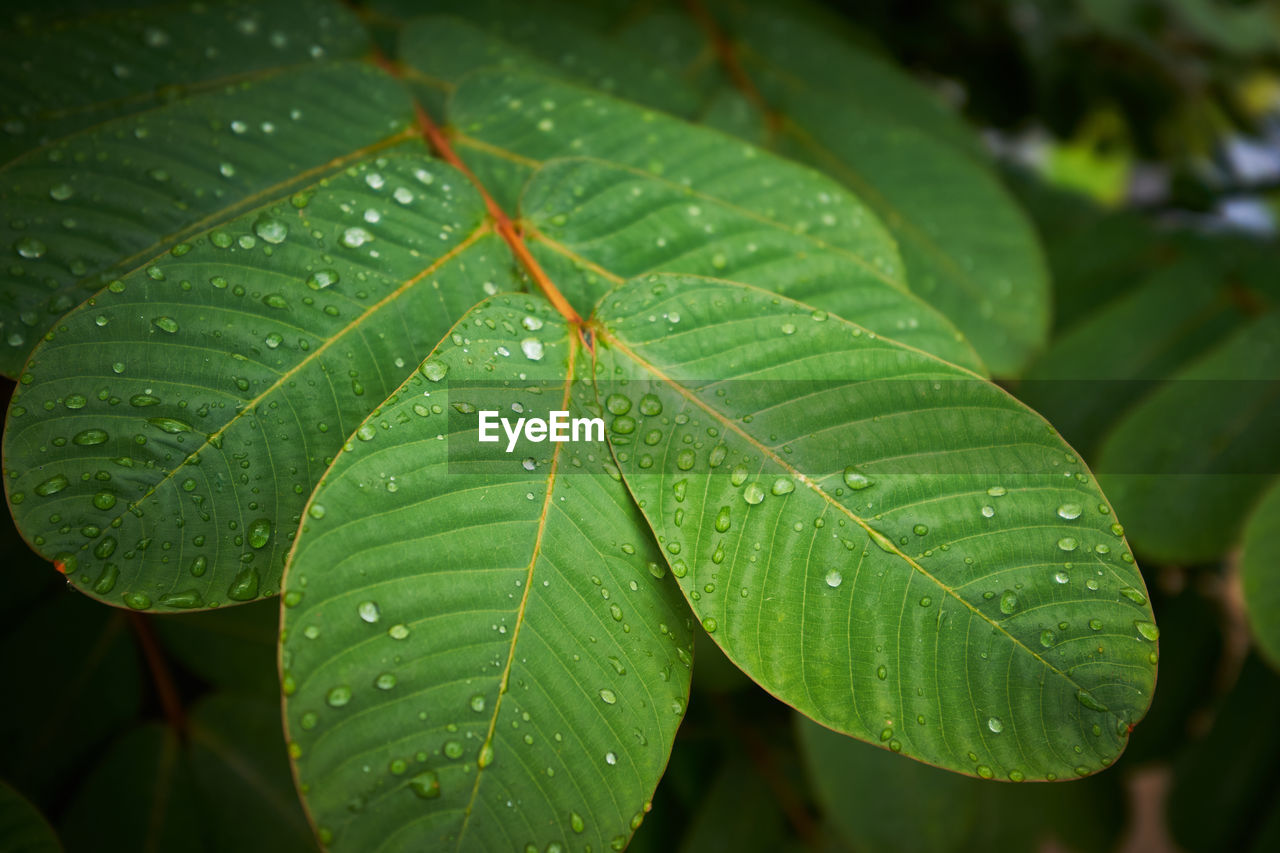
[(439, 142), (166, 689)]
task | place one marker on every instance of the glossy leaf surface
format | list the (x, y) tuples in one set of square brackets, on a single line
[(877, 537), (511, 668)]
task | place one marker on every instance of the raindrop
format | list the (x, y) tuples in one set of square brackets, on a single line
[(855, 479), (532, 349), (753, 494), (834, 578), (259, 533), (271, 229), (425, 785), (1070, 511), (369, 611)]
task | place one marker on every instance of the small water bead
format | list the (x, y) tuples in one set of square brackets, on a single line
[(1092, 584), (104, 501), (369, 611), (855, 479), (753, 494), (1068, 543), (52, 486), (723, 520), (1046, 638), (398, 632), (385, 681), (259, 533), (425, 785), (271, 229), (320, 279), (1061, 576), (30, 248), (988, 511), (355, 237), (1070, 511), (685, 459), (607, 696), (1008, 602), (90, 437), (338, 696), (532, 349), (1148, 630), (610, 758), (834, 578), (477, 703), (997, 491), (709, 624), (1133, 595), (782, 486), (434, 370), (316, 511), (61, 192), (920, 530), (995, 724), (1095, 624), (882, 672)]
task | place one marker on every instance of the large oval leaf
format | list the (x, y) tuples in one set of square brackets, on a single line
[(1183, 475), (482, 651), (890, 544)]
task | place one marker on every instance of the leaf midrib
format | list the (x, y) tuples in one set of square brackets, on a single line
[(552, 470)]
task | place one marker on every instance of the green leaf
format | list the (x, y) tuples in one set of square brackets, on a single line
[(466, 633), (880, 804), (1185, 466), (22, 828), (108, 201), (894, 147), (934, 569), (679, 199), (1211, 810), (69, 72), (1259, 569), (233, 367), (790, 53), (225, 785), (142, 773), (227, 376), (86, 656), (1094, 373), (245, 642), (738, 812)]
